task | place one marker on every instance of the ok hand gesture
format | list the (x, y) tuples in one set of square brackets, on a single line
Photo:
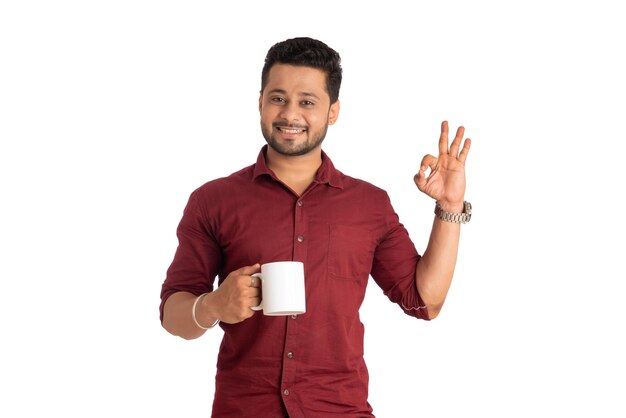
[(446, 181)]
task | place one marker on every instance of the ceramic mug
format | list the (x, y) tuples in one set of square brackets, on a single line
[(282, 288)]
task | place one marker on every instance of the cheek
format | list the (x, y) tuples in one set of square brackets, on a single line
[(266, 117), (316, 119)]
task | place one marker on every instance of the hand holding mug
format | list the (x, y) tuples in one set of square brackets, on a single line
[(237, 293)]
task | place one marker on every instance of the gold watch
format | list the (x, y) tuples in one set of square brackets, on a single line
[(457, 218)]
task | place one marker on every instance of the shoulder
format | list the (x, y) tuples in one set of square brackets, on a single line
[(362, 197), (361, 186), (218, 194), (225, 184)]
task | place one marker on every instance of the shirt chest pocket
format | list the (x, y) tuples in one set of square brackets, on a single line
[(350, 252)]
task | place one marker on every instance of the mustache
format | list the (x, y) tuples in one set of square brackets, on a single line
[(288, 125)]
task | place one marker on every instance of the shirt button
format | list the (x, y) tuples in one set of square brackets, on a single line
[(300, 203), (290, 354), (286, 392), (294, 316), (300, 238)]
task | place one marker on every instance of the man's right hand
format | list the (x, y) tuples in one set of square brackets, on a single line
[(232, 300)]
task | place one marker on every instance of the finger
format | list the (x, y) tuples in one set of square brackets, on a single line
[(255, 299), (443, 138), (429, 161), (466, 147), (252, 293), (456, 144), (255, 303), (420, 179), (255, 282), (248, 270)]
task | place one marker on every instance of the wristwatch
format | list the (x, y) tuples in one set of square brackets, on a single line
[(457, 218)]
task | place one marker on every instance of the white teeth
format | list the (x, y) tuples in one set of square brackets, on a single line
[(291, 131)]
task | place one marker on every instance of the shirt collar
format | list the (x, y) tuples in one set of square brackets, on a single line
[(326, 174)]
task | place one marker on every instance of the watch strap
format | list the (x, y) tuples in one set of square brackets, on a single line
[(457, 218)]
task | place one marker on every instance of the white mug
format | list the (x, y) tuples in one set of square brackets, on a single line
[(282, 288)]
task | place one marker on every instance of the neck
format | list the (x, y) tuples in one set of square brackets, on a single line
[(297, 172)]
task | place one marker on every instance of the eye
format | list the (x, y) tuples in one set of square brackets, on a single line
[(307, 103), (277, 99)]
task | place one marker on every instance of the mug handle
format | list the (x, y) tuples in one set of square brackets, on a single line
[(260, 306)]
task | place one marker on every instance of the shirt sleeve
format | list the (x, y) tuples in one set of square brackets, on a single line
[(198, 257), (395, 263)]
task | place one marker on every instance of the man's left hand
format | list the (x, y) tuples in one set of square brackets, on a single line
[(446, 181)]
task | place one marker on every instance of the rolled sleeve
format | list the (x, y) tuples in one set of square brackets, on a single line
[(394, 266), (197, 258)]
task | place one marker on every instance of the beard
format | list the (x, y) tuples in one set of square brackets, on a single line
[(294, 148)]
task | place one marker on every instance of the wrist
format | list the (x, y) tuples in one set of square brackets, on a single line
[(453, 214), (452, 207), (202, 312)]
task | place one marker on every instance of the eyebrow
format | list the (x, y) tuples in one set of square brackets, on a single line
[(305, 94)]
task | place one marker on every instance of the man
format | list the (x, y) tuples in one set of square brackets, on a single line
[(292, 204)]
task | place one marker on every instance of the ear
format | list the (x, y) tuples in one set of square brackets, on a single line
[(260, 102), (333, 113)]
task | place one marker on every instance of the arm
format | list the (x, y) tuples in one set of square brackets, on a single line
[(446, 184), (196, 263), (435, 269), (177, 319), (229, 303)]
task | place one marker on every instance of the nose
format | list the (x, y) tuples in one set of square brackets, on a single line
[(290, 112)]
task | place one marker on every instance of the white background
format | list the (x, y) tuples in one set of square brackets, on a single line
[(111, 113)]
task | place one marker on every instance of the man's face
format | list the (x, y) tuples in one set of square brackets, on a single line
[(295, 109)]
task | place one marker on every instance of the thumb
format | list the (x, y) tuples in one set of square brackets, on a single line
[(420, 178), (249, 270), (428, 161)]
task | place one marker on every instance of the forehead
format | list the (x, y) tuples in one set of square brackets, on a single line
[(296, 79)]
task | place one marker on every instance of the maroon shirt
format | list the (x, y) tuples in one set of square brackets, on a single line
[(343, 230)]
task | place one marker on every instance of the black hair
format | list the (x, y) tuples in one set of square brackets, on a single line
[(306, 52)]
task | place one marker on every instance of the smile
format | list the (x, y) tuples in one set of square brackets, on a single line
[(290, 131)]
